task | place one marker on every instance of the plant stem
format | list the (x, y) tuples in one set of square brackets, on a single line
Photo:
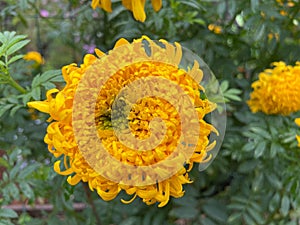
[(15, 85), (92, 204)]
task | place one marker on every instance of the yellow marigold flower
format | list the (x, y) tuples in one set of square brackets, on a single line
[(81, 116), (136, 6), (215, 28), (277, 90), (297, 121), (34, 56), (283, 13)]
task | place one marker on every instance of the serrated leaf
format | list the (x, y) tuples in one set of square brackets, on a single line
[(274, 180), (248, 220), (3, 163), (4, 108), (247, 166), (131, 221), (248, 147), (258, 182), (234, 218), (207, 221), (7, 213), (15, 109), (260, 149), (184, 212), (28, 170), (215, 210), (36, 93), (274, 202), (255, 215), (14, 58), (285, 205), (224, 85), (261, 132), (26, 190), (17, 47), (15, 170)]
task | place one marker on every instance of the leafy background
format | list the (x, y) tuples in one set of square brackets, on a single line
[(255, 177)]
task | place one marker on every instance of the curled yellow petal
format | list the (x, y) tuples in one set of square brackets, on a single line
[(120, 42), (297, 121), (129, 201), (42, 106), (99, 53), (106, 5), (74, 180), (156, 4), (138, 10), (56, 168)]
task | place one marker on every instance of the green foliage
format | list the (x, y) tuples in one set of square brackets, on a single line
[(254, 179)]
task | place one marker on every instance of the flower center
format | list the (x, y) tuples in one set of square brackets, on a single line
[(118, 110)]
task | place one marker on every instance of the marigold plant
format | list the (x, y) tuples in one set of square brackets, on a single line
[(277, 90), (68, 133)]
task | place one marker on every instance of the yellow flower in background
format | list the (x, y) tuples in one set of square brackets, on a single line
[(136, 6), (215, 28), (34, 56), (297, 121), (61, 134), (277, 90)]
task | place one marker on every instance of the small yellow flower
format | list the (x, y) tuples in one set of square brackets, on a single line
[(67, 118), (215, 28), (271, 36), (277, 90), (34, 56), (290, 4), (136, 6), (283, 13)]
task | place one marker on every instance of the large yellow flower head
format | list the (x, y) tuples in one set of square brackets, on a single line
[(130, 120), (136, 6), (277, 90)]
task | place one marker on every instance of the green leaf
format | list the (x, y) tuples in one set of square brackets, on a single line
[(215, 210), (207, 221), (285, 205), (184, 212), (36, 93), (274, 202), (4, 163), (17, 47), (254, 5), (26, 190), (131, 221), (255, 215), (4, 108), (258, 182), (260, 149), (247, 166), (16, 169), (28, 170), (15, 58), (224, 85), (273, 180), (248, 220), (15, 109), (7, 213), (260, 131), (234, 218)]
